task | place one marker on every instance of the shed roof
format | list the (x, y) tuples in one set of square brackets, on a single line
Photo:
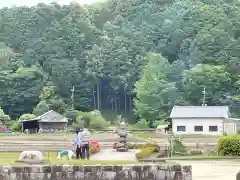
[(52, 116), (232, 119), (200, 112)]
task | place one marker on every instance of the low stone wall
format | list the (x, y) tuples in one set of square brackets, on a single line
[(97, 172)]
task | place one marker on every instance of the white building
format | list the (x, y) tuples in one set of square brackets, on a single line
[(212, 120)]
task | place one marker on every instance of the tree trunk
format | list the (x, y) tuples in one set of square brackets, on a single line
[(115, 103), (100, 94), (94, 98), (130, 103), (125, 102), (98, 97), (112, 104), (119, 104)]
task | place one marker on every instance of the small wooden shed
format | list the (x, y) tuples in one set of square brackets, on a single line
[(52, 120)]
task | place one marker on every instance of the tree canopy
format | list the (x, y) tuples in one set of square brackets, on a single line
[(128, 56)]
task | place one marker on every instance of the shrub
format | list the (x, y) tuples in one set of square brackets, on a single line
[(80, 115), (129, 145), (195, 152), (96, 113), (98, 123), (94, 147), (87, 121), (71, 114), (92, 121), (142, 124), (4, 118), (16, 126), (134, 145), (84, 118), (177, 147), (229, 145), (78, 125), (147, 151)]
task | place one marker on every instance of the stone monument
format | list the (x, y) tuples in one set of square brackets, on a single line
[(122, 132)]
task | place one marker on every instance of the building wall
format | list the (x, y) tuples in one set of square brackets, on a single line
[(52, 125), (189, 124), (231, 126)]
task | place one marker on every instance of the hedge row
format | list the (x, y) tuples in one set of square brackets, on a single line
[(146, 149), (229, 145)]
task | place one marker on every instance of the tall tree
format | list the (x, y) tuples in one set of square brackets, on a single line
[(214, 78), (155, 95)]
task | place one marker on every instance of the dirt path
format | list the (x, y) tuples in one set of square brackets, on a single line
[(111, 154), (213, 170)]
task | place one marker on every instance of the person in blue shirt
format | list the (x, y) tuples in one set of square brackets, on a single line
[(78, 144)]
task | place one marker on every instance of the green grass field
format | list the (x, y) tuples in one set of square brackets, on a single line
[(9, 158), (145, 135)]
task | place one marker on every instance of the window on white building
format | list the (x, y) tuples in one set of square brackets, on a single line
[(181, 128), (198, 128), (213, 128)]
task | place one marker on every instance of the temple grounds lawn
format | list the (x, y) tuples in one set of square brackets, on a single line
[(9, 158), (146, 135)]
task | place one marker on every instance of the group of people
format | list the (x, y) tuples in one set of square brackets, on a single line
[(82, 143)]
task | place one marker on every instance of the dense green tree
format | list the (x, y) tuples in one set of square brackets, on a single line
[(99, 49), (155, 95), (41, 108), (20, 90), (50, 100), (214, 78), (4, 118)]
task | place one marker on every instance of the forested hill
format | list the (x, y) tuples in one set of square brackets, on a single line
[(163, 52)]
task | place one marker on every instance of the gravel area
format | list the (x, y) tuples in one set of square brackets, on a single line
[(213, 170), (111, 154)]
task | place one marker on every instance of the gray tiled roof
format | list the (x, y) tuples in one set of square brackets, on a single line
[(52, 116), (200, 112)]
